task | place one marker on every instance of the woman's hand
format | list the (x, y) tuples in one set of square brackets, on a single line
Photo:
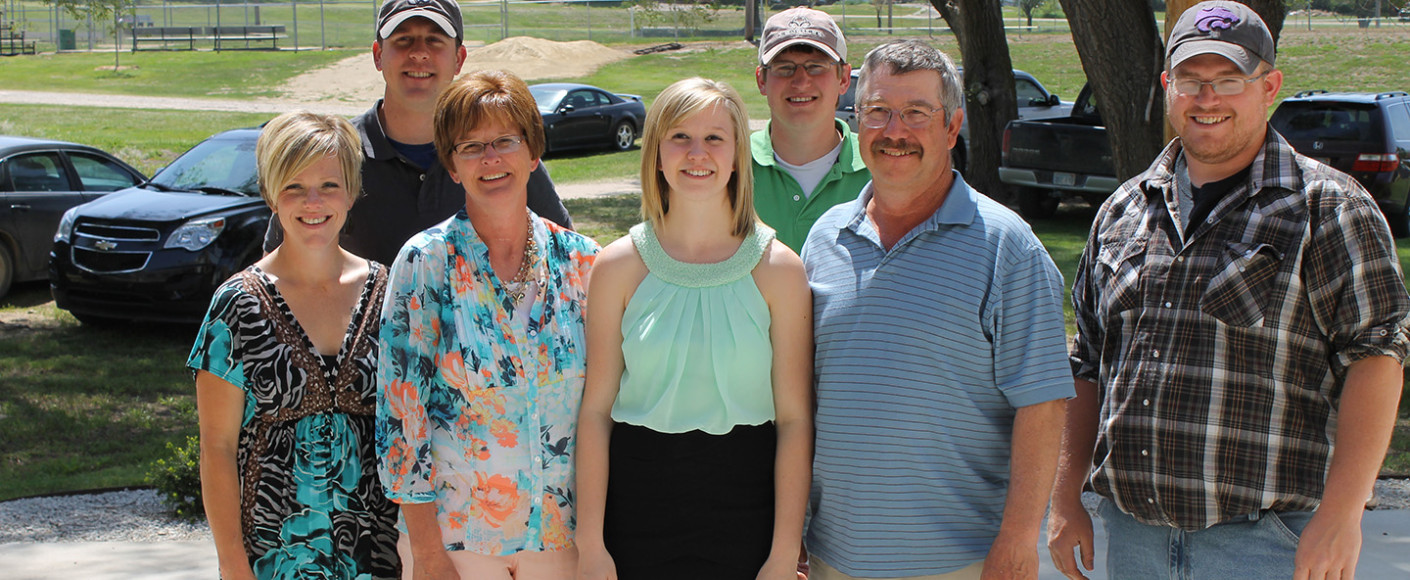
[(780, 568), (597, 565)]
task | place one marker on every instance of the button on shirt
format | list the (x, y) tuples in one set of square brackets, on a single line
[(1220, 358), (477, 406)]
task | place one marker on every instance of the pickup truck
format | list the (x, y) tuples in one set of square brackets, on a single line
[(1034, 102), (1052, 159)]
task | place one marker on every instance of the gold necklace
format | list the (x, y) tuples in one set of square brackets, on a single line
[(519, 286)]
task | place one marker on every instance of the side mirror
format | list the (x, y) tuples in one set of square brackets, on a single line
[(566, 109), (1054, 101)]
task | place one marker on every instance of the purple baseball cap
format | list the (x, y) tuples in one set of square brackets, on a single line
[(1228, 29)]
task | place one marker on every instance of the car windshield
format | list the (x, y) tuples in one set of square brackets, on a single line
[(547, 98), (215, 165), (1327, 122)]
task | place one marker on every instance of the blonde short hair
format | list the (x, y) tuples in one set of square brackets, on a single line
[(672, 107), (294, 141), (484, 97)]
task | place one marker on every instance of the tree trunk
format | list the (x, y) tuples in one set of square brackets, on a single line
[(990, 102), (1122, 54)]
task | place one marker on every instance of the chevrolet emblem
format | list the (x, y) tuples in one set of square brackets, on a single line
[(105, 245)]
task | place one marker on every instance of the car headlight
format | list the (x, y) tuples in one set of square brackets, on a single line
[(66, 225), (196, 234)]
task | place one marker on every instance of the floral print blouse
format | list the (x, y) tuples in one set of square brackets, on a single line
[(477, 406)]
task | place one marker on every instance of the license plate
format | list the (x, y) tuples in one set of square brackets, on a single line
[(1060, 178)]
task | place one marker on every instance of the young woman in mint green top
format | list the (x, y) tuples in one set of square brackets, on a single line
[(695, 434)]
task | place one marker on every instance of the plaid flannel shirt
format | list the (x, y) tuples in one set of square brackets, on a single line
[(1220, 360)]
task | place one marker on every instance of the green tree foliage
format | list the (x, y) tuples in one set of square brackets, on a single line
[(104, 14)]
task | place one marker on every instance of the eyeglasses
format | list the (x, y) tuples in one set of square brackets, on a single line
[(1226, 86), (472, 150), (786, 70), (913, 117)]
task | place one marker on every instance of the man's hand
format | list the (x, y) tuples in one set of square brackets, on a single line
[(1011, 558), (1329, 547), (1069, 528)]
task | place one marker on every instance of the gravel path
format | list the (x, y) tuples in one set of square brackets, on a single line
[(139, 516)]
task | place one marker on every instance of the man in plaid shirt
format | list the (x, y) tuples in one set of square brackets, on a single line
[(1241, 325)]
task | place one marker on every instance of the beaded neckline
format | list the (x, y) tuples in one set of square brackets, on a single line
[(688, 275)]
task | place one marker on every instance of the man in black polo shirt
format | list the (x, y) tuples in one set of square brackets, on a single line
[(419, 49)]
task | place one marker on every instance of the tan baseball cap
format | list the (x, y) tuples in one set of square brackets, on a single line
[(802, 25)]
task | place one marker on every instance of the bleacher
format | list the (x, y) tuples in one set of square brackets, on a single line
[(263, 37), (12, 41)]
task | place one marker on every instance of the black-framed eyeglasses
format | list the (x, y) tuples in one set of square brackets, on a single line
[(786, 70), (472, 150), (913, 117), (1226, 86)]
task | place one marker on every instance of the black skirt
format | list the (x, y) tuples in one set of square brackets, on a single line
[(690, 505)]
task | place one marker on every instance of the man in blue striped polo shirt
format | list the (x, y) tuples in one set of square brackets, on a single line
[(941, 368)]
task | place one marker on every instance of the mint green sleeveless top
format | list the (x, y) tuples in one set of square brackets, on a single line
[(695, 340)]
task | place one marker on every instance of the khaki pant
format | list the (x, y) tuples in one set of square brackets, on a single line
[(819, 570)]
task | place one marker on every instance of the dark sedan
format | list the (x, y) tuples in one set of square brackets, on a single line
[(576, 116), (40, 180), (158, 252)]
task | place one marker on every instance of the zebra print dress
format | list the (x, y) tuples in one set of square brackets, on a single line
[(311, 504)]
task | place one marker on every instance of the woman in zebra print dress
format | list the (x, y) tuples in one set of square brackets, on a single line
[(285, 364)]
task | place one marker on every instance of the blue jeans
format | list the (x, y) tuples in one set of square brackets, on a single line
[(1256, 548)]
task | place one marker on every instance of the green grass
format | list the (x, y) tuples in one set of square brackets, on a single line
[(229, 74), (147, 140)]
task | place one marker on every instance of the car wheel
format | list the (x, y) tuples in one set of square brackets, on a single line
[(623, 136), (1038, 204), (7, 270)]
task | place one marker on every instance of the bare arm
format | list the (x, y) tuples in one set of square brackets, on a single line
[(616, 273), (785, 287), (1331, 543), (428, 552), (1069, 524), (220, 407), (1031, 470)]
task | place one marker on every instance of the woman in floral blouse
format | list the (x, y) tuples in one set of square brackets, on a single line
[(483, 356), (284, 389)]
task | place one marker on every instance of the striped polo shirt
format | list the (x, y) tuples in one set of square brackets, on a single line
[(924, 353)]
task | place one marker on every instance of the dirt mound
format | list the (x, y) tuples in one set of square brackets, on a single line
[(355, 80)]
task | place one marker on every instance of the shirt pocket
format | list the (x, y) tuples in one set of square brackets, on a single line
[(1238, 292), (1120, 260)]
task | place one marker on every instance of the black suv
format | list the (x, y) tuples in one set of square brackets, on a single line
[(158, 251), (1366, 135)]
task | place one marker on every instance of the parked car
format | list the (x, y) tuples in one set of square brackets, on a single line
[(1366, 135), (1049, 160), (576, 116), (40, 179), (158, 251), (1034, 102)]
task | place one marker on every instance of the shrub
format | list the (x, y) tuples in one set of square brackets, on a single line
[(178, 479)]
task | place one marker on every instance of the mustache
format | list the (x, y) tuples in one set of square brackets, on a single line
[(901, 145)]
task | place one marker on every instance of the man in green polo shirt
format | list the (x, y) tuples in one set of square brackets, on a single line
[(805, 160)]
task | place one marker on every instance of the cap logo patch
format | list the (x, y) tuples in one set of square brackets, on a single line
[(800, 26), (1215, 18)]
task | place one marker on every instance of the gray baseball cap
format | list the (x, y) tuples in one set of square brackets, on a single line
[(1228, 29), (802, 25), (445, 13)]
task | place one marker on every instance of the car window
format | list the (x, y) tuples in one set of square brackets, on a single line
[(1327, 122), (601, 99), (1027, 91), (36, 172), (222, 163), (99, 174), (581, 99), (546, 99), (1400, 121)]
